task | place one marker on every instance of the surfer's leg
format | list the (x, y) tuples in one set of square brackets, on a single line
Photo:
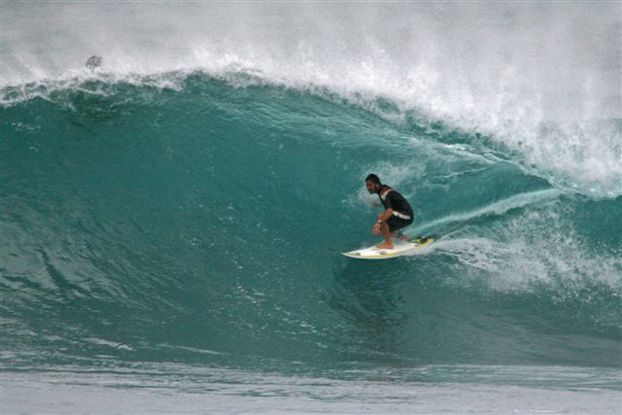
[(396, 225), (387, 235)]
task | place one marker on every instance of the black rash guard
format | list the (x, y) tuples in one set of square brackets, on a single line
[(394, 200)]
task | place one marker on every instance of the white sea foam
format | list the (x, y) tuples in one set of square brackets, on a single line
[(497, 208), (542, 80), (537, 248)]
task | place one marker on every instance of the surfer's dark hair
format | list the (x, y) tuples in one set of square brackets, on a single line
[(373, 178)]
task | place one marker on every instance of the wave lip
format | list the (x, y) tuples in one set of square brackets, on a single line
[(579, 157), (547, 95)]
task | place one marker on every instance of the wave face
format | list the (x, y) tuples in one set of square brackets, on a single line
[(203, 224)]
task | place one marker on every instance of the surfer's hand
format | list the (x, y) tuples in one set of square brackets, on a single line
[(376, 228)]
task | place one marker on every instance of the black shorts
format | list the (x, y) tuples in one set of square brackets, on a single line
[(396, 223)]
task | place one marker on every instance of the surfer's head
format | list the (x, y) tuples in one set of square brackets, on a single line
[(372, 182)]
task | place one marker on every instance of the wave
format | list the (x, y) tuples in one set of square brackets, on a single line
[(203, 223)]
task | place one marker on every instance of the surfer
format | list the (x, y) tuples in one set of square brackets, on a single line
[(397, 215)]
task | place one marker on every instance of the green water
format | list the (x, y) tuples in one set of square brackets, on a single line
[(204, 225)]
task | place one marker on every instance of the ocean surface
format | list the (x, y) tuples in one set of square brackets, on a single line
[(172, 215)]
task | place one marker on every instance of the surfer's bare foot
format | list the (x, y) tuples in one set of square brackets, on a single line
[(385, 245)]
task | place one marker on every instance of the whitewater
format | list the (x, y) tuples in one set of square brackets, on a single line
[(172, 214)]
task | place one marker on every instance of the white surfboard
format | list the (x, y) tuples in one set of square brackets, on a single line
[(400, 248)]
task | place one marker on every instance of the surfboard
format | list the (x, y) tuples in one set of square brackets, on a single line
[(400, 248)]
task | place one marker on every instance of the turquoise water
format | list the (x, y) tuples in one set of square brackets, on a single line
[(202, 226), (179, 235)]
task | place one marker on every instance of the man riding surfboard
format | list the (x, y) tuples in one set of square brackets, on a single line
[(397, 215)]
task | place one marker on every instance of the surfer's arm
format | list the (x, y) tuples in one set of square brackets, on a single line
[(384, 216)]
